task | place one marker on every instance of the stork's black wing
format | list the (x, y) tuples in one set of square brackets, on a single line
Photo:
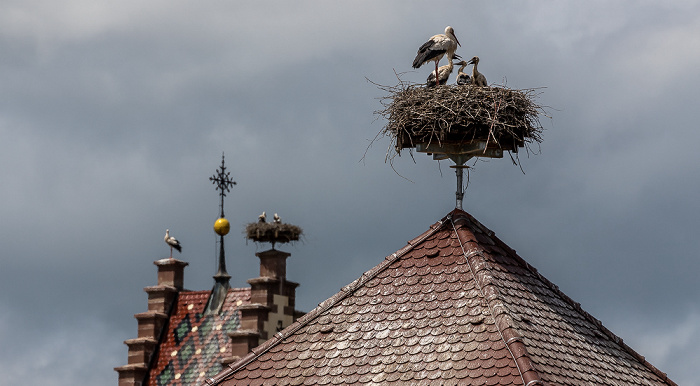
[(427, 52)]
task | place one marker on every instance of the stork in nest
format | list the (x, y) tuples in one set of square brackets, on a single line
[(435, 48), (478, 79)]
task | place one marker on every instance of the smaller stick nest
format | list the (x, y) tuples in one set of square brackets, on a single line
[(460, 114), (263, 232)]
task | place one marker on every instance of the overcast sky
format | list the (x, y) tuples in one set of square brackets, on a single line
[(113, 115)]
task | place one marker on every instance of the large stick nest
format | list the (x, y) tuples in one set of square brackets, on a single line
[(263, 232), (460, 114)]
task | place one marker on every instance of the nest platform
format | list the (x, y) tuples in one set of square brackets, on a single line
[(458, 116), (275, 233)]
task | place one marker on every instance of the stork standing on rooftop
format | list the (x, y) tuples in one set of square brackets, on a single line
[(478, 78), (435, 48), (172, 242), (462, 77)]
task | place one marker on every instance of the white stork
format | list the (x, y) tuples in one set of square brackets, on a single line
[(261, 218), (435, 48), (462, 77), (277, 218), (172, 242), (478, 78), (443, 74)]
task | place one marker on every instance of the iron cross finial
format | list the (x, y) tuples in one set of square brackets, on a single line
[(222, 180)]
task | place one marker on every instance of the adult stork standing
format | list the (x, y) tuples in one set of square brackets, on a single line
[(478, 79), (462, 77), (435, 48), (262, 217), (172, 242)]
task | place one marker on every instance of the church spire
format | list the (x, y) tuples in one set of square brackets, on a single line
[(222, 180)]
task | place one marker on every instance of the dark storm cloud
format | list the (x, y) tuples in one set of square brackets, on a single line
[(112, 118)]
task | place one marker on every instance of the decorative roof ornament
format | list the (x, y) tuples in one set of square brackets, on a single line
[(222, 180)]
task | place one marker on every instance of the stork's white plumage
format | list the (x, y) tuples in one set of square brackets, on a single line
[(443, 74), (261, 218), (277, 218), (172, 242), (462, 77), (478, 78), (435, 48)]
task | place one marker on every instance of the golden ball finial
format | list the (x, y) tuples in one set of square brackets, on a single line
[(222, 226)]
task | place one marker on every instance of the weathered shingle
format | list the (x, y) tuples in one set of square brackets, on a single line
[(455, 306)]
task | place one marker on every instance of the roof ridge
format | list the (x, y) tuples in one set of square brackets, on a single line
[(574, 304), (507, 328), (324, 305)]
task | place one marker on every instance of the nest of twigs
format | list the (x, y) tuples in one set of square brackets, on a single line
[(263, 232), (460, 114)]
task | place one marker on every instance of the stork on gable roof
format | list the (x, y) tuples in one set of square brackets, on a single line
[(454, 306)]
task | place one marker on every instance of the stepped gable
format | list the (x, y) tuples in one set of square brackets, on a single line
[(454, 306), (180, 342), (195, 344)]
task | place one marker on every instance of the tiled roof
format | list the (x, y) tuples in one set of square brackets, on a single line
[(195, 344), (455, 306)]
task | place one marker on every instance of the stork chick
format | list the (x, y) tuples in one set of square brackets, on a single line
[(435, 48), (478, 79), (462, 77), (261, 218), (277, 219)]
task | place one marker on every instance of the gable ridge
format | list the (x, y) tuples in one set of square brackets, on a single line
[(574, 304), (480, 270)]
